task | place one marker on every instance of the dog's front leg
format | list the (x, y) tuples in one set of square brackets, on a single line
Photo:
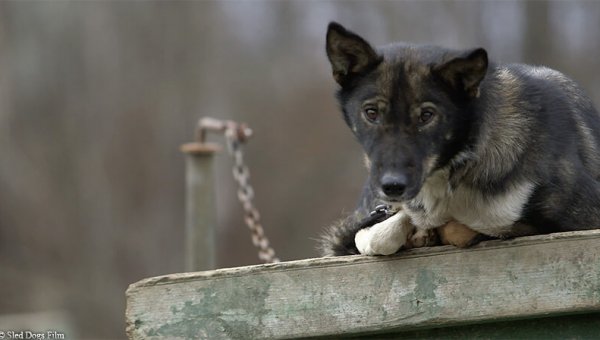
[(385, 238)]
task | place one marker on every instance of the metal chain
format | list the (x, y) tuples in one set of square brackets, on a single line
[(236, 135)]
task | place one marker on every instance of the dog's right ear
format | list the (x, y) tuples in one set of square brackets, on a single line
[(348, 53)]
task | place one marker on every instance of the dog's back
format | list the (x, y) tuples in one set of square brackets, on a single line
[(559, 129)]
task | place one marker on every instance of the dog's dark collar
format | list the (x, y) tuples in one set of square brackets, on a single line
[(381, 211)]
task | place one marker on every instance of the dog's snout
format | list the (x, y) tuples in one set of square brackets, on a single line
[(393, 185)]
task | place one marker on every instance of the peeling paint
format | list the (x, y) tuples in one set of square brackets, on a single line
[(526, 278), (194, 320), (425, 298)]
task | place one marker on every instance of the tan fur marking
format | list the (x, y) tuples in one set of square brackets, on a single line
[(367, 162), (386, 79), (422, 238), (456, 234), (504, 135), (415, 73), (429, 163)]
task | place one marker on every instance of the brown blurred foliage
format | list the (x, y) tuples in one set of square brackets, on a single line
[(96, 97)]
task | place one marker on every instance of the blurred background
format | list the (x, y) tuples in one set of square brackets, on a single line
[(97, 97)]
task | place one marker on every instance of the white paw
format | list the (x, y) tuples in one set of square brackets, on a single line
[(384, 238)]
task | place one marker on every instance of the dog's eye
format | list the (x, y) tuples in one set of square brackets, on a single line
[(371, 114), (426, 115)]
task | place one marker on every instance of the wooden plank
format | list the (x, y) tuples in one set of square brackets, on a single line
[(572, 327), (527, 277)]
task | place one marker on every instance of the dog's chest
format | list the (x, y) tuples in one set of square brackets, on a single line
[(486, 213)]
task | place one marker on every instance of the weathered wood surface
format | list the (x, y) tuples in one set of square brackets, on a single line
[(572, 327), (528, 277)]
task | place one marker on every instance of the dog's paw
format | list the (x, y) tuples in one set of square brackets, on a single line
[(423, 238), (458, 234), (384, 238)]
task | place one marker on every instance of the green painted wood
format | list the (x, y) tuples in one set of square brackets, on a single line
[(573, 327), (426, 288)]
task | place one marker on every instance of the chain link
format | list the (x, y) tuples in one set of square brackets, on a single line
[(237, 134)]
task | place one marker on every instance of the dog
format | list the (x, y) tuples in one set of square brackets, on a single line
[(457, 144)]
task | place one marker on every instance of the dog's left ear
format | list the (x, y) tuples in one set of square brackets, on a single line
[(465, 72), (349, 54)]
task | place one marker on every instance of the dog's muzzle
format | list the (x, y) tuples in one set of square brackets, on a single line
[(393, 185)]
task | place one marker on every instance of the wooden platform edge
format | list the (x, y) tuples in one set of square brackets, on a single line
[(428, 287)]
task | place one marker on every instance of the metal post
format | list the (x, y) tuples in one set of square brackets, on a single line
[(201, 217)]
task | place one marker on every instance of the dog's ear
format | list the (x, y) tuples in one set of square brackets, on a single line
[(465, 71), (348, 53)]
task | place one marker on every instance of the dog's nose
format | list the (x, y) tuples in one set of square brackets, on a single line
[(393, 185)]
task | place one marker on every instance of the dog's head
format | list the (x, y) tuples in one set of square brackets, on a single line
[(409, 106)]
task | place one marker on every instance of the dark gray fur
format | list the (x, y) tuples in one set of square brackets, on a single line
[(496, 127)]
